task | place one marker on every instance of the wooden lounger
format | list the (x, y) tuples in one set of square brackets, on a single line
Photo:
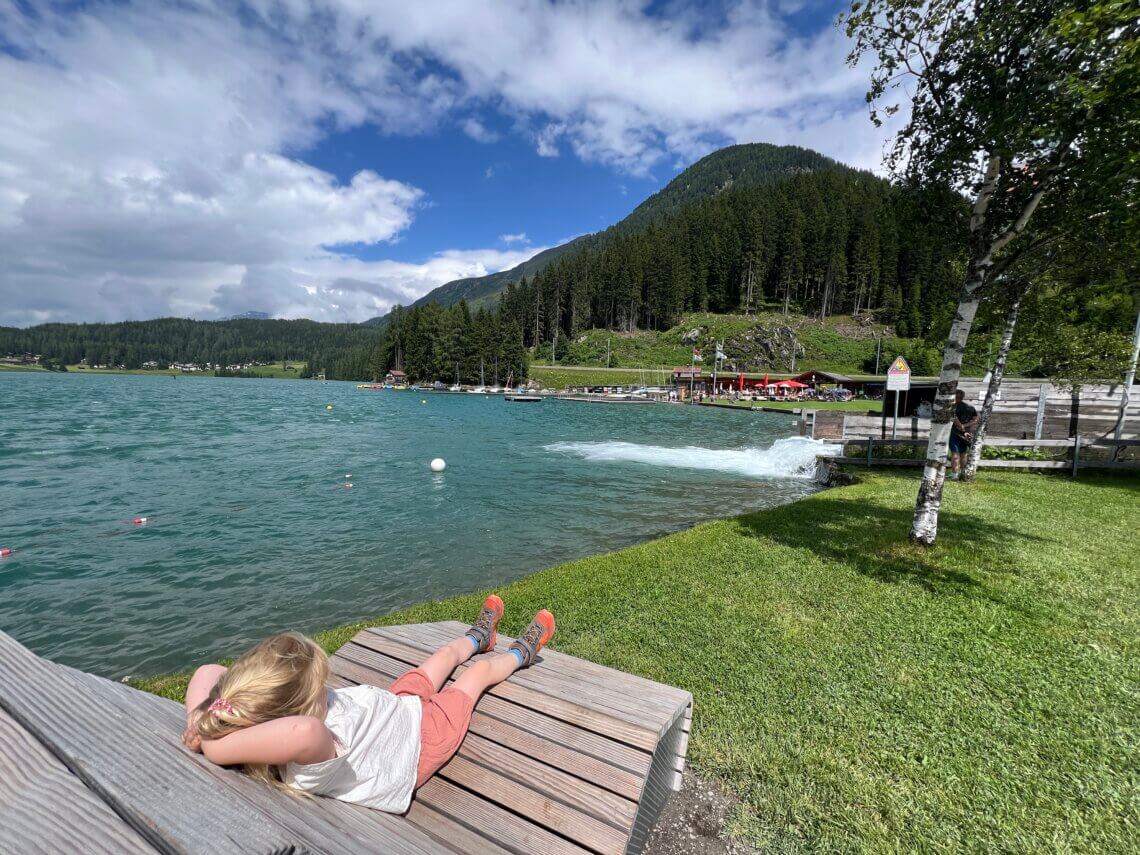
[(601, 751)]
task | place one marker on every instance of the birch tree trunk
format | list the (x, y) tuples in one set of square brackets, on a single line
[(992, 391), (924, 527)]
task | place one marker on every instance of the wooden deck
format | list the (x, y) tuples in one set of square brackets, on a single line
[(86, 763)]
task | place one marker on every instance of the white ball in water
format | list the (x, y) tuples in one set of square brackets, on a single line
[(438, 465)]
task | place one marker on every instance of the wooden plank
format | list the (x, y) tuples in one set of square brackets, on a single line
[(581, 795), (542, 745), (553, 704), (172, 804), (525, 799), (33, 787), (635, 707), (460, 837), (515, 833)]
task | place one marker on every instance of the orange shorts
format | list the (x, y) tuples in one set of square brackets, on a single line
[(447, 715)]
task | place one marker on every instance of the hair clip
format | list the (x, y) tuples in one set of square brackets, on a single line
[(221, 705)]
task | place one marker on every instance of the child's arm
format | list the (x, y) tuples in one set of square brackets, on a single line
[(204, 679), (292, 739)]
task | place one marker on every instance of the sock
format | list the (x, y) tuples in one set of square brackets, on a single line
[(474, 641), (518, 655)]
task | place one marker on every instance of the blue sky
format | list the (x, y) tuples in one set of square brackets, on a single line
[(330, 158), (479, 192)]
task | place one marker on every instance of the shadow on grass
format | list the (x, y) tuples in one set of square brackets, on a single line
[(873, 540)]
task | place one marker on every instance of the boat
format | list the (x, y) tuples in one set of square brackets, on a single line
[(478, 390), (455, 388), (523, 399)]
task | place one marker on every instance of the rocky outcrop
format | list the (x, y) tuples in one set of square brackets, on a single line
[(764, 347)]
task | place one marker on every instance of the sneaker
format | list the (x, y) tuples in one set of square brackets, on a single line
[(484, 632), (540, 631)]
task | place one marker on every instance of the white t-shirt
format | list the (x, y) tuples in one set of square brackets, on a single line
[(378, 748)]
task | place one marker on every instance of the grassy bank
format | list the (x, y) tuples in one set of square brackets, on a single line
[(838, 343), (858, 693), (845, 406)]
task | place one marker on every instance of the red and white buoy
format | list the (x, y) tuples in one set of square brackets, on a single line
[(139, 521), (5, 552)]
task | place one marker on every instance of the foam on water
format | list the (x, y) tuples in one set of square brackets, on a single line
[(793, 457)]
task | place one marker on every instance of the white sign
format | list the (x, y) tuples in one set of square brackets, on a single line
[(898, 376)]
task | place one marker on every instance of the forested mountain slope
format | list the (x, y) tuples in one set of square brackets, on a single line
[(732, 168)]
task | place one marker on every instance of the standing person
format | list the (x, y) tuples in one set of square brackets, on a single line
[(961, 433)]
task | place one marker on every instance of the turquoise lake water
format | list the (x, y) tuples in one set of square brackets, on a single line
[(251, 529)]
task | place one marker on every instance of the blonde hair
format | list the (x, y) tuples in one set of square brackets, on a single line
[(283, 675)]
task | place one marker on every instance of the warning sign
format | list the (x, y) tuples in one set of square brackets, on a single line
[(898, 376)]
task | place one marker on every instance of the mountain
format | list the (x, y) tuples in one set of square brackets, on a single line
[(479, 288), (248, 316), (734, 167)]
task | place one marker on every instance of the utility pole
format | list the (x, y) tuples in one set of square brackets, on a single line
[(878, 350), (1126, 392), (607, 351)]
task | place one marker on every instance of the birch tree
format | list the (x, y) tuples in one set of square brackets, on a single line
[(1008, 101), (1019, 289)]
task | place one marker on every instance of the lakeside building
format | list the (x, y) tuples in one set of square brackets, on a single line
[(396, 377)]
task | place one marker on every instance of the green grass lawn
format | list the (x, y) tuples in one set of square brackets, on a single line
[(554, 377), (861, 694), (9, 367), (838, 344), (847, 406), (276, 370)]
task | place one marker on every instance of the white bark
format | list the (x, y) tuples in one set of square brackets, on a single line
[(992, 391), (924, 527)]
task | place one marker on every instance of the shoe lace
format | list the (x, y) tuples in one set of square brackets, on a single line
[(532, 635), (485, 621)]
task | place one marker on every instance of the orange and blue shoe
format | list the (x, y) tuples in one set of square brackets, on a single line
[(484, 632), (527, 645)]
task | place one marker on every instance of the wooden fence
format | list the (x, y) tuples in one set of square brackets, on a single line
[(1025, 410), (1078, 453)]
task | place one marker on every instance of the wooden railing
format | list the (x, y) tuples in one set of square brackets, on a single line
[(1073, 459)]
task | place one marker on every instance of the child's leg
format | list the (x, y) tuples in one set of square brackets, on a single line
[(479, 638), (439, 665), (447, 715), (486, 673)]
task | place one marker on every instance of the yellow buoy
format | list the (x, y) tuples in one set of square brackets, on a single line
[(329, 407), (423, 402)]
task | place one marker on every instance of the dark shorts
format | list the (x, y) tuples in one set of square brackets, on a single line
[(958, 444)]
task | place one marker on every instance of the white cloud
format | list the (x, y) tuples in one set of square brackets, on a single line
[(478, 131), (546, 140), (514, 238), (149, 152)]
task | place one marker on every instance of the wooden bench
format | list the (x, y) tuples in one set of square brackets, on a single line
[(92, 763)]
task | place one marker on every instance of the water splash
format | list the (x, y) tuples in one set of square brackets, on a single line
[(793, 457)]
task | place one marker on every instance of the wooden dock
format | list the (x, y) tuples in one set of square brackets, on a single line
[(89, 764)]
